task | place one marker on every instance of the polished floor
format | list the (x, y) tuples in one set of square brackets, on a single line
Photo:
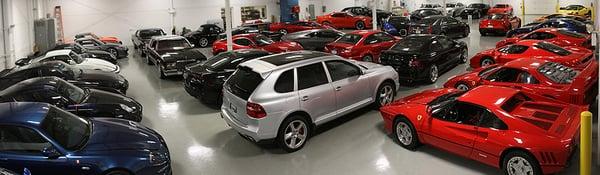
[(201, 143)]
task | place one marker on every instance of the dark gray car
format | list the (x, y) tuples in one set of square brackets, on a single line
[(314, 39), (118, 50)]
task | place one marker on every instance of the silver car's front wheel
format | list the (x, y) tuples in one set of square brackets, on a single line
[(386, 95)]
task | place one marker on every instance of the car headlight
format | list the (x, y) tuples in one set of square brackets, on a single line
[(172, 65), (126, 108), (157, 158)]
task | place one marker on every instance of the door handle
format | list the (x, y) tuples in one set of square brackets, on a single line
[(338, 88), (304, 98)]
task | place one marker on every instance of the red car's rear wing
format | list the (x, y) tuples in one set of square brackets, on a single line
[(586, 81)]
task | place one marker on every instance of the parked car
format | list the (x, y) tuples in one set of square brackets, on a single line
[(83, 102), (440, 25), (362, 45), (105, 39), (569, 56), (576, 10), (498, 23), (296, 26), (546, 78), (315, 39), (453, 9), (502, 9), (569, 24), (341, 20), (141, 37), (205, 80), (260, 87), (85, 78), (86, 53), (432, 6), (171, 53), (424, 57), (8, 172), (366, 11), (44, 139), (563, 16), (94, 44), (397, 25), (475, 10), (255, 41), (399, 11), (276, 36), (559, 37), (517, 131), (419, 14), (205, 35), (72, 58)]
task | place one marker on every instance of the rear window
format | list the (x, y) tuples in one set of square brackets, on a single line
[(572, 34), (552, 48), (512, 103), (496, 16), (350, 38), (243, 82), (411, 44), (501, 6), (557, 72), (428, 21)]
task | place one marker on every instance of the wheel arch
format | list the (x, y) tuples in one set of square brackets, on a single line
[(411, 122), (117, 169), (303, 114), (386, 80), (511, 149)]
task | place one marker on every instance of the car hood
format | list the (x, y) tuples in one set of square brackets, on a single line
[(117, 134), (97, 52), (104, 97), (98, 64), (183, 54), (281, 46), (100, 76)]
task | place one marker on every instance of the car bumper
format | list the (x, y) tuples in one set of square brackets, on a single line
[(251, 132)]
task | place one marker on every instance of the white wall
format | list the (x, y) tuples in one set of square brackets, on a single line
[(19, 17), (120, 18)]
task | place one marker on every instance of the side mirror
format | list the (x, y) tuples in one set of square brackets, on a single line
[(50, 152), (22, 62)]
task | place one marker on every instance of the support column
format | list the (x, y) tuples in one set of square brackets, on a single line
[(228, 25), (374, 13)]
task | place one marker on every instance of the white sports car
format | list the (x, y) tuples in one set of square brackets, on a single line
[(72, 58)]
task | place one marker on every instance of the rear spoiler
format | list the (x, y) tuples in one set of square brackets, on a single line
[(587, 79)]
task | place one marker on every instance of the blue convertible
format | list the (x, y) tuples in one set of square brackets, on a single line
[(569, 24), (44, 139)]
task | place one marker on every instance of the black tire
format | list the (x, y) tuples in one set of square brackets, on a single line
[(433, 75), (117, 172), (161, 72), (114, 52), (281, 141), (148, 60), (414, 143), (360, 25), (283, 31), (327, 23), (462, 86), (203, 42), (367, 58), (487, 61), (382, 98), (525, 158), (464, 56), (466, 32), (482, 33)]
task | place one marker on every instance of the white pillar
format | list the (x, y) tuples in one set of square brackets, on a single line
[(374, 13), (172, 14), (228, 25), (444, 8)]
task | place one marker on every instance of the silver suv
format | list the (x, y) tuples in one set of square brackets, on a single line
[(282, 97)]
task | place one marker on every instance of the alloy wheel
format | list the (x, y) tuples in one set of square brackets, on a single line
[(386, 95), (404, 133), (486, 62), (203, 42), (367, 58), (462, 87), (283, 31), (433, 74), (519, 166), (464, 55), (113, 51), (360, 25), (295, 134)]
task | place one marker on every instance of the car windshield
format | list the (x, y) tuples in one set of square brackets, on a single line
[(410, 44), (496, 16), (476, 6), (74, 93), (350, 38), (69, 131), (428, 21), (552, 48), (263, 40), (76, 57), (572, 7), (444, 100), (486, 71), (220, 61), (450, 5), (176, 44), (501, 6), (150, 33)]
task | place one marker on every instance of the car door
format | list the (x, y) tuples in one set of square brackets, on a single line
[(243, 43), (21, 148), (488, 146), (351, 89), (317, 96), (437, 54), (453, 127), (451, 52)]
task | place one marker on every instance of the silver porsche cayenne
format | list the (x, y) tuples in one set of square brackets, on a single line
[(283, 97)]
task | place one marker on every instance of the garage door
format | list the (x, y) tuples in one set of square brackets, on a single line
[(540, 6)]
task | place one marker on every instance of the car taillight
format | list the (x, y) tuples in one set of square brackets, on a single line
[(414, 63), (255, 110)]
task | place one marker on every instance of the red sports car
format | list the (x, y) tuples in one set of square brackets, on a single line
[(291, 27), (105, 39), (255, 41), (498, 23), (569, 56), (516, 131), (501, 8), (345, 20), (559, 37), (550, 79), (362, 45)]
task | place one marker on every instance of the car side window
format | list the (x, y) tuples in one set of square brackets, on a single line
[(62, 58), (436, 46), (285, 82), (540, 36), (445, 43), (243, 42), (311, 75), (382, 37), (340, 70), (52, 72), (511, 75), (513, 49), (338, 15), (372, 39), (464, 113), (21, 140), (490, 120)]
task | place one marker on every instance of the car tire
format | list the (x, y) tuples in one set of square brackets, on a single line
[(466, 32), (360, 25), (434, 74), (297, 129), (161, 72), (203, 42), (283, 31), (114, 52), (148, 60), (118, 172), (405, 134), (464, 56), (385, 94), (520, 161), (486, 62), (326, 23), (367, 58), (462, 86)]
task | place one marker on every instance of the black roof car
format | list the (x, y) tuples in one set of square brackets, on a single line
[(205, 35), (118, 50)]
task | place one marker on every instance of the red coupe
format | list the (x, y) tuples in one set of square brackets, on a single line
[(362, 45), (255, 41), (498, 23), (516, 131), (550, 79), (345, 20), (559, 37), (501, 8), (291, 27), (569, 56)]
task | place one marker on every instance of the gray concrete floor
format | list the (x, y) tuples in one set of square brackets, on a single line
[(201, 143)]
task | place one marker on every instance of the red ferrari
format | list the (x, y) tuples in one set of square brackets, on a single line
[(569, 56), (345, 20), (498, 23), (550, 79), (516, 131), (291, 27), (255, 41), (501, 8), (559, 37), (362, 45)]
